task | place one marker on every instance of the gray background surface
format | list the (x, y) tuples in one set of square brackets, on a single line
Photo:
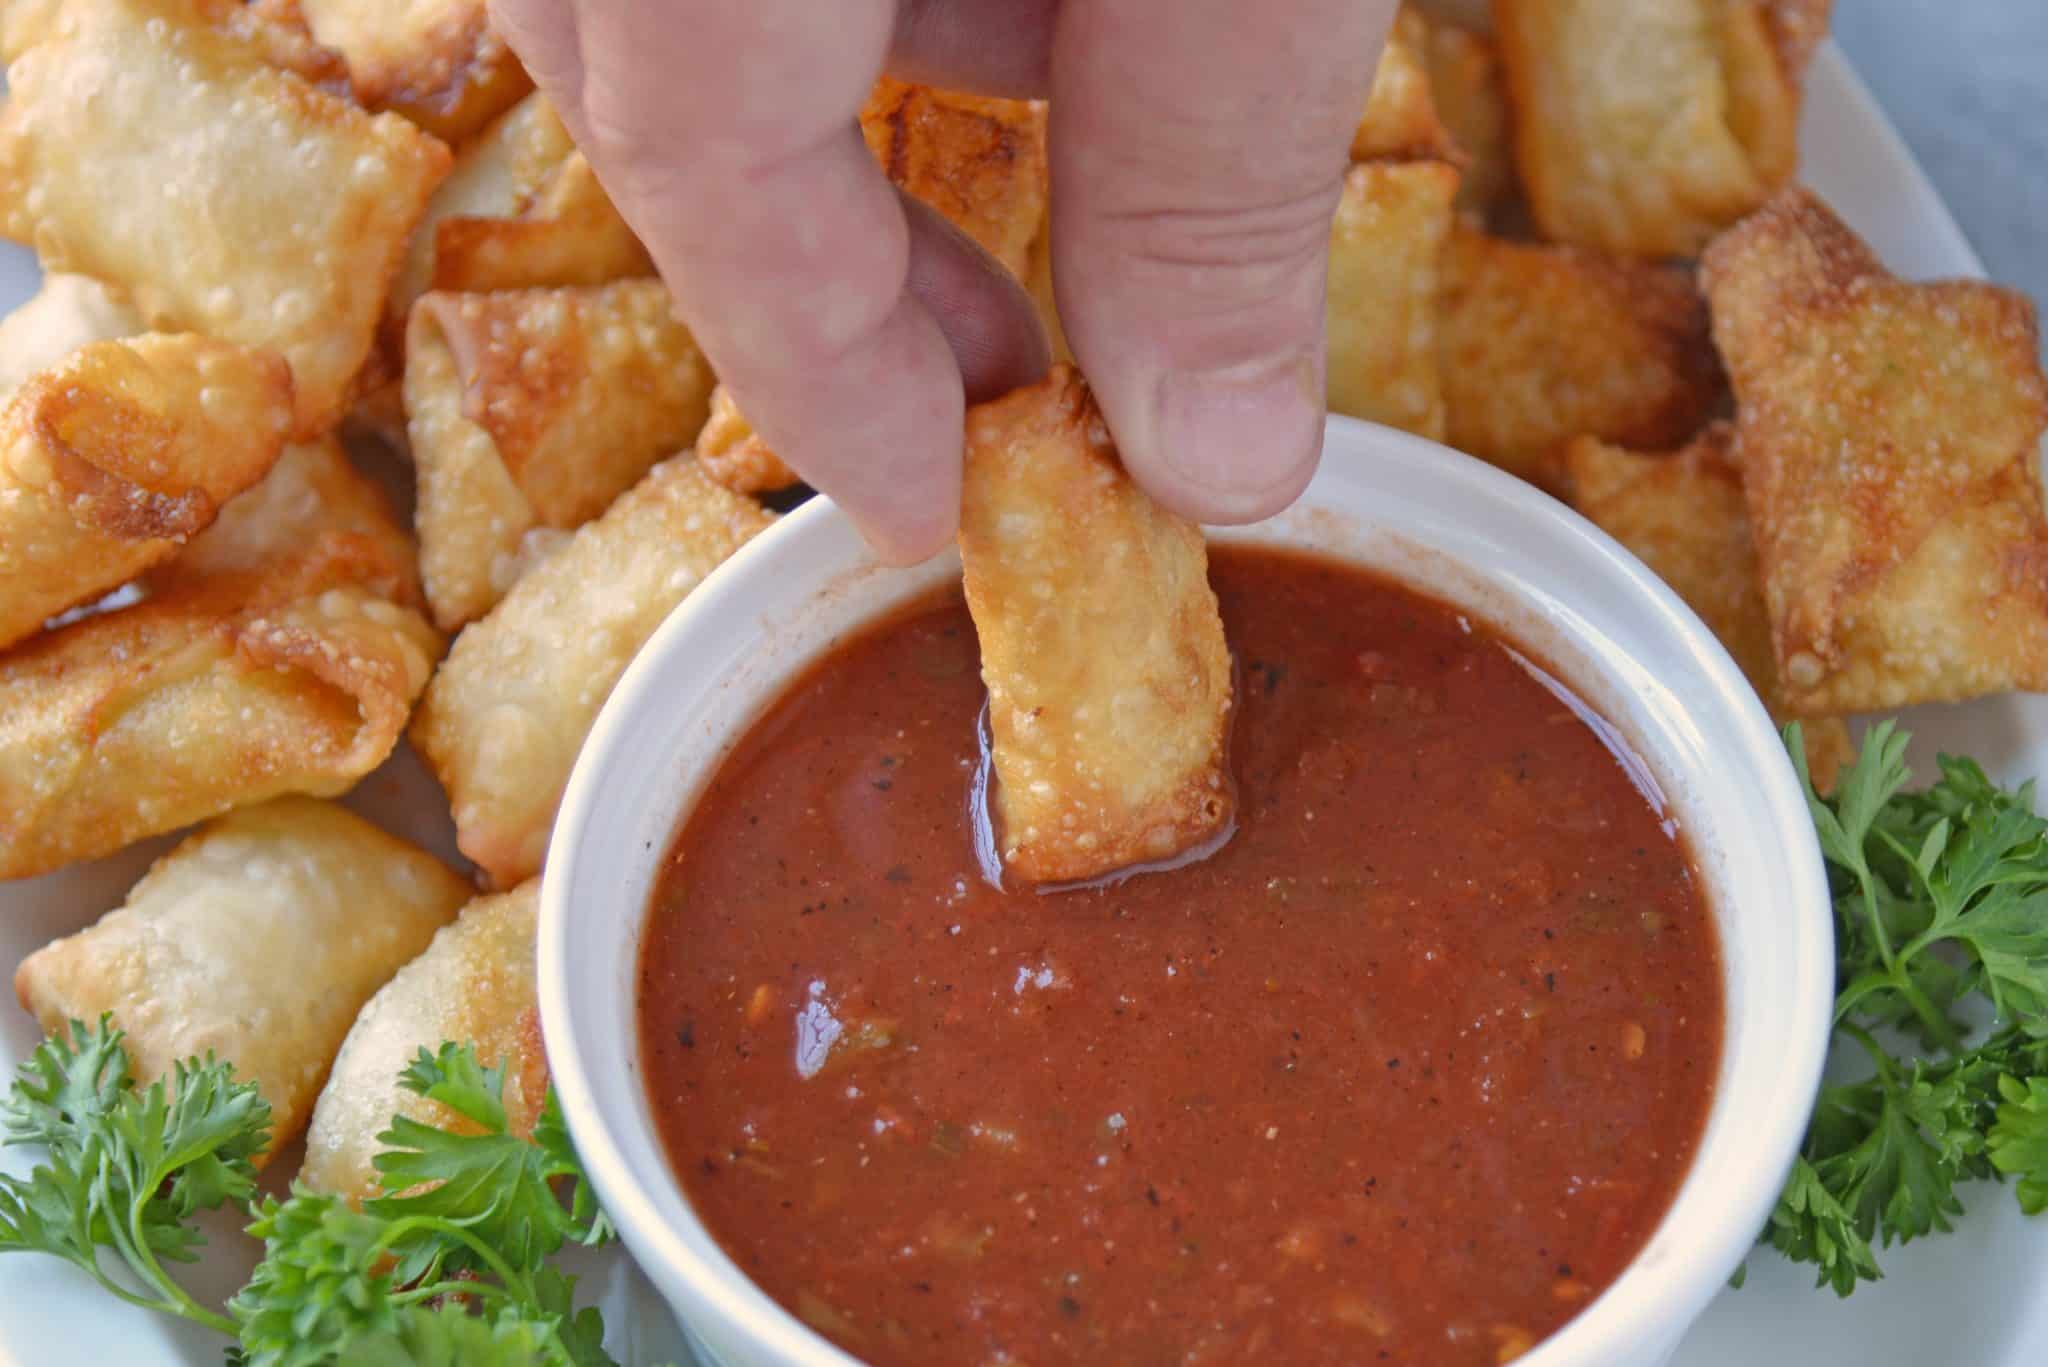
[(1966, 83)]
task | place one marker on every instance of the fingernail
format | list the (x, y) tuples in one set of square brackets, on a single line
[(1243, 440)]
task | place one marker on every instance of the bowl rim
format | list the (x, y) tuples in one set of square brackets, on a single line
[(1653, 1310)]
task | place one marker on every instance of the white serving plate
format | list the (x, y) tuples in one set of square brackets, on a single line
[(1974, 1297)]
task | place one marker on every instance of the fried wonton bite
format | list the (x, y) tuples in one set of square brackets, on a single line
[(313, 522), (257, 940), (737, 456), (1108, 679), (503, 719), (528, 412), (116, 456), (223, 195), (1542, 344), (435, 61), (1645, 126), (274, 656), (979, 161), (473, 985), (1382, 295), (1682, 513), (1400, 120), (520, 210), (1466, 83), (1890, 440), (566, 233), (65, 313)]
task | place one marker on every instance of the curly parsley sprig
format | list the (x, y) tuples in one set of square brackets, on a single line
[(1940, 896), (468, 1219), (449, 1266), (127, 1168)]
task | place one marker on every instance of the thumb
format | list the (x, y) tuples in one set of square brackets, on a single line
[(1198, 151)]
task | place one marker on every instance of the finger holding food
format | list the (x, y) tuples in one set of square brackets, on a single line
[(979, 161)]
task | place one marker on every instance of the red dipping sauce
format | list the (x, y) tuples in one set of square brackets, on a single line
[(1406, 1073)]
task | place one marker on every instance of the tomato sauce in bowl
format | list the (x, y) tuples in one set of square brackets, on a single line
[(1408, 1071)]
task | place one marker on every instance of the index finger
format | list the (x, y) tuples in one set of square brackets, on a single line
[(729, 144)]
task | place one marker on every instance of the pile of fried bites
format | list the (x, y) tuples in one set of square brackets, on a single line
[(278, 233)]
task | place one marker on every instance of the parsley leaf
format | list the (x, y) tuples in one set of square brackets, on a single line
[(1809, 1225), (320, 1282), (496, 1185), (448, 1268), (448, 1336), (127, 1168), (1940, 896), (2018, 1142), (450, 1264), (551, 1133)]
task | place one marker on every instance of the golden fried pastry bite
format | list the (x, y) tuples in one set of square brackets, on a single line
[(113, 458), (313, 522), (257, 939), (435, 61), (521, 209), (276, 655), (737, 456), (1401, 120), (1763, 97), (1890, 443), (473, 985), (1108, 679), (528, 412), (979, 161), (1542, 344), (566, 233), (226, 196), (504, 717), (1466, 84), (1645, 126), (65, 313), (1382, 297), (1682, 514)]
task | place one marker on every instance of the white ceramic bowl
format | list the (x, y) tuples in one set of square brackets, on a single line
[(1446, 524)]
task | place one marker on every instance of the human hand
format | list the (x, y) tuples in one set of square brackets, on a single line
[(1197, 151)]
